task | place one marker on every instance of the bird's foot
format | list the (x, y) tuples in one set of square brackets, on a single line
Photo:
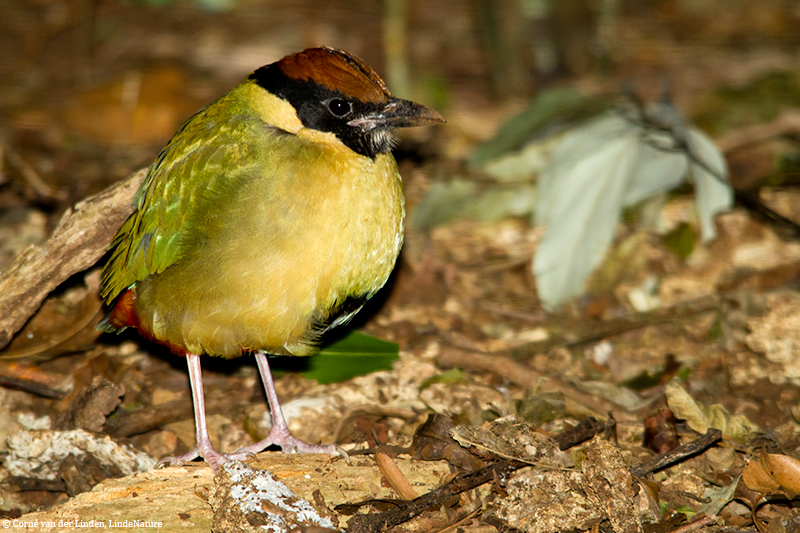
[(290, 444), (207, 452)]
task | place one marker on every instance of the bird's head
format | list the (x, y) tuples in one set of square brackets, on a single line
[(335, 92)]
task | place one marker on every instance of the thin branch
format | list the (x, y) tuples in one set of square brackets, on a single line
[(697, 524), (374, 523), (678, 454)]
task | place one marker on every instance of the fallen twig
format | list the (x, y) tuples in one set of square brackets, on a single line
[(395, 477), (691, 526), (155, 416), (678, 454), (617, 326), (35, 184), (31, 379), (382, 521), (784, 226), (585, 430), (787, 123)]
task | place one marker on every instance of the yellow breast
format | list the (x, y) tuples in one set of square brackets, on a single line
[(318, 225)]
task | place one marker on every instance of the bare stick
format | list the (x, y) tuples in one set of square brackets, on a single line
[(678, 454)]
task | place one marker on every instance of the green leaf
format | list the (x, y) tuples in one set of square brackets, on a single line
[(685, 509), (454, 375), (718, 497), (681, 240), (354, 354)]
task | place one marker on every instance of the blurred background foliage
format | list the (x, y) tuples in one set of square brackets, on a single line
[(127, 72)]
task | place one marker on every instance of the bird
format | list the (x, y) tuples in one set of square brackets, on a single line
[(268, 219)]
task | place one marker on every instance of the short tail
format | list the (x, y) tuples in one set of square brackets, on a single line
[(106, 325), (121, 314)]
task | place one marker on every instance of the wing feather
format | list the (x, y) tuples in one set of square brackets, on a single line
[(183, 181)]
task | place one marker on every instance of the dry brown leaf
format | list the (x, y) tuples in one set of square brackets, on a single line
[(784, 470), (757, 479), (510, 438), (432, 441)]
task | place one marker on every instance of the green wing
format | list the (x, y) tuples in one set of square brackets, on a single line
[(205, 157)]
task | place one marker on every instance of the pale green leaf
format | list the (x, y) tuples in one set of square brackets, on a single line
[(454, 375), (580, 202), (612, 162), (713, 195), (538, 120), (718, 497)]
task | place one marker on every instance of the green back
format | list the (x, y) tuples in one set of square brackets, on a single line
[(213, 150)]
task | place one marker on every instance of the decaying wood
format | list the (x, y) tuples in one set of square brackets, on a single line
[(177, 496), (78, 242)]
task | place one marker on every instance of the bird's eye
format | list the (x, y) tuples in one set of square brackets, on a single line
[(339, 107)]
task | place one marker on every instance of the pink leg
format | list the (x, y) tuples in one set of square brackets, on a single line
[(203, 448), (280, 434)]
